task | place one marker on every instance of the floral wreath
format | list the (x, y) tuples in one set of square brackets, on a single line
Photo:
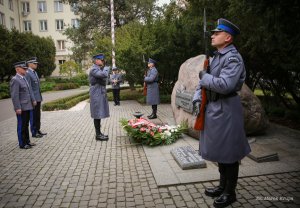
[(146, 132)]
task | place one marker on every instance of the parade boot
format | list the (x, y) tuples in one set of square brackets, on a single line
[(228, 196), (153, 115), (149, 116), (217, 191), (103, 137)]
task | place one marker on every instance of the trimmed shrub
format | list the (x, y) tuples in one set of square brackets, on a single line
[(4, 90), (65, 86), (47, 86), (65, 103)]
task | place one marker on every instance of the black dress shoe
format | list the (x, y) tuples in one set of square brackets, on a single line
[(224, 200), (25, 147), (37, 135), (101, 137), (31, 144), (41, 133), (214, 191), (152, 117)]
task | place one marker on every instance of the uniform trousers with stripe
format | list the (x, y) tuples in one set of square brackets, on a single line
[(22, 128)]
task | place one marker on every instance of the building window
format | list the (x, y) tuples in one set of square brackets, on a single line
[(42, 6), (11, 5), (25, 7), (75, 23), (27, 25), (59, 24), (60, 62), (58, 6), (2, 19), (61, 45), (43, 25), (74, 7), (12, 23)]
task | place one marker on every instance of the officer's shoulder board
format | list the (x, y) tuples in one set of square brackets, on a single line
[(233, 59)]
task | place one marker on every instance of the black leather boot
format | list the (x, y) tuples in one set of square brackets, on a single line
[(154, 110), (217, 191), (228, 196), (99, 135)]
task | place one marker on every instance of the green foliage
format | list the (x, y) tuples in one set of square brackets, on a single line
[(47, 86), (4, 90), (16, 46), (66, 86), (65, 103), (69, 68)]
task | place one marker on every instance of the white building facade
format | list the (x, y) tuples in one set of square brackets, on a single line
[(43, 18)]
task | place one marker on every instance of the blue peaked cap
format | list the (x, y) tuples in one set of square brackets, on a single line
[(227, 26), (152, 61), (21, 64), (99, 56), (32, 60)]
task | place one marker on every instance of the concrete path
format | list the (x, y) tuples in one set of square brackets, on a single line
[(6, 107), (69, 168)]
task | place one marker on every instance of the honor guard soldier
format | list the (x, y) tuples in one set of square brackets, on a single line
[(151, 79), (23, 102), (115, 80), (34, 82), (223, 139), (98, 96)]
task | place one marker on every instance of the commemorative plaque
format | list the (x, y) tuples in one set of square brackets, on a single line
[(184, 100), (187, 158)]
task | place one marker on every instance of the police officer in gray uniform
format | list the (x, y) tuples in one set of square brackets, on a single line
[(34, 82), (98, 97), (223, 139), (115, 80), (151, 80), (23, 101)]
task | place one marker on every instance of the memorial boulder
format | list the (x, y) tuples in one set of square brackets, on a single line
[(255, 119)]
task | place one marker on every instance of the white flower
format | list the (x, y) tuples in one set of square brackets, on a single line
[(167, 133)]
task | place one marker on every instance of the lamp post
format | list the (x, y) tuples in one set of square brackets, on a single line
[(112, 20)]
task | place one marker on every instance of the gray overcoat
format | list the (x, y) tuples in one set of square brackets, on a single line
[(152, 86), (118, 77), (21, 94), (98, 96), (34, 82), (223, 139)]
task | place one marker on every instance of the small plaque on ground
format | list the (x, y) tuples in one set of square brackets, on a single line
[(187, 158), (259, 153)]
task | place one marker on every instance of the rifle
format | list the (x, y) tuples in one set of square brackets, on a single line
[(199, 123), (145, 74)]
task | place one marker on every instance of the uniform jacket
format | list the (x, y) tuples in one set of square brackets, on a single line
[(98, 97), (118, 77), (223, 139), (34, 82), (152, 86), (21, 94)]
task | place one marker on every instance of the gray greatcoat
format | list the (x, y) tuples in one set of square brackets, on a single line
[(117, 77), (98, 96), (34, 82), (21, 94), (223, 139), (152, 86)]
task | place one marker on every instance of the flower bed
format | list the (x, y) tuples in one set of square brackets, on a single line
[(145, 132)]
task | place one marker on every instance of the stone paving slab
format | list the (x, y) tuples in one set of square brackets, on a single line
[(68, 168), (285, 142)]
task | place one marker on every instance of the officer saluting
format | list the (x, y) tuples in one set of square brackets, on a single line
[(116, 79), (151, 80), (23, 101), (34, 83), (223, 139), (98, 98)]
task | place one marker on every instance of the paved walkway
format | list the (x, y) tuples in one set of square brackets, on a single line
[(69, 168)]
